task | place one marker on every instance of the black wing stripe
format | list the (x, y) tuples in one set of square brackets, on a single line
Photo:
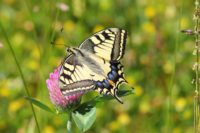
[(119, 45), (111, 31), (62, 79), (66, 76), (105, 35), (97, 37), (66, 68), (123, 43)]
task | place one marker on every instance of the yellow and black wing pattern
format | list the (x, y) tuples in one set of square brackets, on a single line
[(95, 64)]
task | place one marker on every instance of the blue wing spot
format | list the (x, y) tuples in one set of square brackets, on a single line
[(99, 84), (106, 84), (110, 76), (113, 67), (106, 81), (114, 73)]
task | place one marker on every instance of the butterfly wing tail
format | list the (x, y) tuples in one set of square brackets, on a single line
[(116, 96)]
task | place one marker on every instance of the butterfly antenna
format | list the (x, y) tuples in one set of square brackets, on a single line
[(56, 44), (53, 42)]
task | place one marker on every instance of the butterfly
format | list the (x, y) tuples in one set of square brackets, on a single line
[(95, 64)]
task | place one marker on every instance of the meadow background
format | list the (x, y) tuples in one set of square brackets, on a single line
[(158, 62)]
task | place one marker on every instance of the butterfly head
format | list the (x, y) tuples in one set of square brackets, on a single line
[(74, 51), (70, 50)]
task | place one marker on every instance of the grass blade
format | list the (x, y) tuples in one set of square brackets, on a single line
[(39, 104)]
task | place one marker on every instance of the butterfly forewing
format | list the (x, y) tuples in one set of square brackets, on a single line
[(74, 77), (108, 44)]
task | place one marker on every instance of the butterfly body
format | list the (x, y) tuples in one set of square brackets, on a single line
[(95, 65)]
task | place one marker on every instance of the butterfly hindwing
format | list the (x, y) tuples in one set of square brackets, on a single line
[(74, 77)]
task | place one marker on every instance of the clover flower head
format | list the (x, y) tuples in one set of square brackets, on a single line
[(56, 96)]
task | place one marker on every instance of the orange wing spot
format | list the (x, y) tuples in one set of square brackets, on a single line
[(111, 82)]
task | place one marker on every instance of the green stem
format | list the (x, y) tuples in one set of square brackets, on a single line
[(20, 72), (197, 88), (69, 122), (170, 98), (34, 33)]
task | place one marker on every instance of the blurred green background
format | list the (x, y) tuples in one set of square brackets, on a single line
[(158, 62)]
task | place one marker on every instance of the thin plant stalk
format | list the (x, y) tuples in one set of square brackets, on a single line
[(69, 122), (20, 72), (169, 121), (196, 66)]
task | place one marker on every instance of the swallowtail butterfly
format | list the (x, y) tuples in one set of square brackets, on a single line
[(95, 64)]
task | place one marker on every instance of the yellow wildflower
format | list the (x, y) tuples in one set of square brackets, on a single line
[(168, 67), (144, 107), (124, 119), (130, 80), (105, 4), (35, 53), (177, 130), (69, 26), (59, 43), (98, 28), (138, 90), (4, 91), (48, 129), (180, 104), (114, 126), (184, 23), (149, 12), (33, 64), (187, 114), (16, 105), (149, 28)]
